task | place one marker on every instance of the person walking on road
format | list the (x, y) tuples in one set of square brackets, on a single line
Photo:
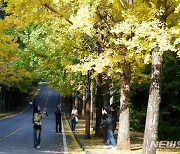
[(110, 125), (37, 118), (58, 115), (74, 118)]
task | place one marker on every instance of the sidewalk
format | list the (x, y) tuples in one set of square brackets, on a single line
[(95, 145)]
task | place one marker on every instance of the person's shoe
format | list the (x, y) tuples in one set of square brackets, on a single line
[(105, 147), (114, 148), (38, 147)]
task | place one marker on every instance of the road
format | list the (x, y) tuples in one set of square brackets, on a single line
[(16, 133)]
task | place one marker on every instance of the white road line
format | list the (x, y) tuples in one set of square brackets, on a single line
[(47, 99), (64, 137), (17, 115), (14, 131), (13, 115)]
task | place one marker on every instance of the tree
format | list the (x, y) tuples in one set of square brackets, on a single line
[(152, 118)]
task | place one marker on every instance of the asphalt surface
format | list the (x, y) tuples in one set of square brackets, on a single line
[(16, 133)]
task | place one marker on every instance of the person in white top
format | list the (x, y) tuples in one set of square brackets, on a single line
[(74, 118)]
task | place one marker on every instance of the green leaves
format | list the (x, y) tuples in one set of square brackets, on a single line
[(54, 36)]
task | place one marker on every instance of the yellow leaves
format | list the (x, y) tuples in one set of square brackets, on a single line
[(7, 46), (147, 59), (136, 30), (84, 19), (9, 22), (106, 62), (24, 12), (66, 63), (117, 70), (49, 1), (146, 35), (177, 9), (116, 59), (10, 76)]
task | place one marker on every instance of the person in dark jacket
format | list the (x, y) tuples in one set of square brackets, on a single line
[(58, 115), (110, 125)]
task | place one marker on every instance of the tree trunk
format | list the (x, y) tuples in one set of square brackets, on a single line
[(93, 87), (99, 105), (3, 101), (102, 99), (88, 105), (9, 99), (152, 117), (123, 141), (105, 93), (84, 103), (87, 131)]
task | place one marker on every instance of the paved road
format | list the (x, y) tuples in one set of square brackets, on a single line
[(16, 133)]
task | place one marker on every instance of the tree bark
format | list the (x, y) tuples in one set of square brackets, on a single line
[(76, 100), (123, 141), (88, 105), (84, 103), (105, 93), (9, 99), (102, 99), (152, 117), (93, 87), (99, 105), (87, 131), (3, 101)]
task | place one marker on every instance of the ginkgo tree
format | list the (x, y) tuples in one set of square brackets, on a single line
[(11, 77), (47, 49), (7, 47)]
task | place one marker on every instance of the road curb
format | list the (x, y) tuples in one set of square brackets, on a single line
[(72, 133), (81, 145)]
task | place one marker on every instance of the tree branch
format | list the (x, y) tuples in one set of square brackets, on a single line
[(56, 12)]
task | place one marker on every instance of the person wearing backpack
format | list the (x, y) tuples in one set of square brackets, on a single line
[(110, 125)]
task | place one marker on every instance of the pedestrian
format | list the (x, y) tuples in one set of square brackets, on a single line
[(110, 125), (74, 118), (58, 115), (37, 118)]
